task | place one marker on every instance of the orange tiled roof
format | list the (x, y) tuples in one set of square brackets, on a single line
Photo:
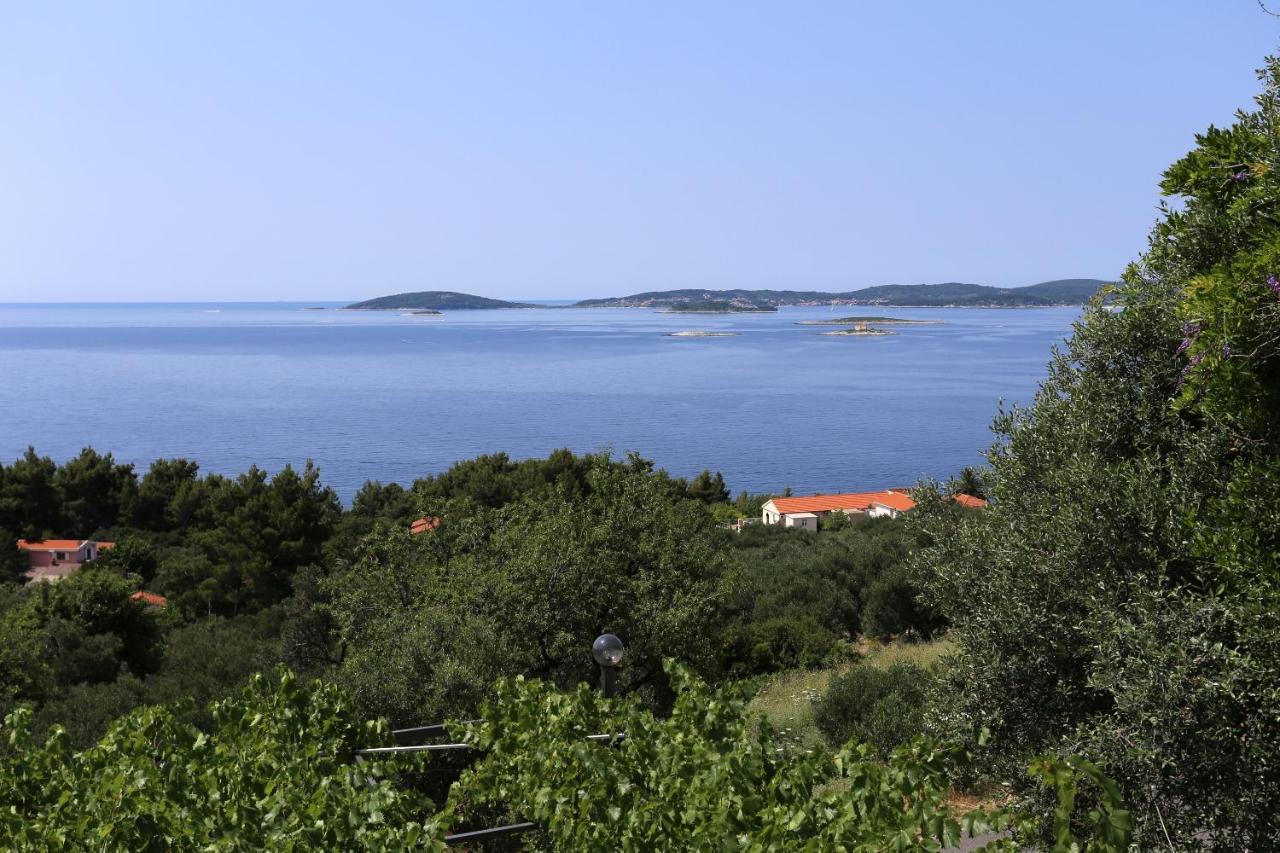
[(857, 501), (896, 500), (149, 598), (969, 500), (51, 544), (422, 525), (61, 544)]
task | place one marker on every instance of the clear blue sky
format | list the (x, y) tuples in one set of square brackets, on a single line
[(251, 150)]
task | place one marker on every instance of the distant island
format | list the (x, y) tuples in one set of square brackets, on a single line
[(881, 321), (1061, 292), (717, 306), (434, 300), (859, 332), (697, 334)]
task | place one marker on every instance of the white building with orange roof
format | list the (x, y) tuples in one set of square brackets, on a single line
[(54, 559), (804, 512)]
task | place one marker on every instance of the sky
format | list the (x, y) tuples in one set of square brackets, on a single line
[(333, 150)]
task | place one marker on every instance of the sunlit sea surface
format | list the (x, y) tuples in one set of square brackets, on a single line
[(392, 396)]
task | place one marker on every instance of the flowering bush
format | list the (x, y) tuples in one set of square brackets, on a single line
[(1229, 187)]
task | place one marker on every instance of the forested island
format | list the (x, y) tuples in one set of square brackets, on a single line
[(1062, 292), (1076, 291), (717, 306), (435, 300), (875, 321)]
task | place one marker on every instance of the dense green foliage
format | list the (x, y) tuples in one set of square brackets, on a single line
[(879, 707), (790, 595), (1120, 596), (426, 622), (542, 553), (275, 771), (694, 780)]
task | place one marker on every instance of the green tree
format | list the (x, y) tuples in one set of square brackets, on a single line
[(30, 505), (788, 595), (95, 492), (164, 497), (257, 533), (373, 503), (131, 555), (523, 588), (1120, 593), (880, 707), (970, 481), (709, 488)]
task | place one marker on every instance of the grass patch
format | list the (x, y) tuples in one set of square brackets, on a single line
[(920, 654), (786, 698)]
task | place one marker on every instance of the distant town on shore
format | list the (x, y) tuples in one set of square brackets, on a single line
[(1047, 294)]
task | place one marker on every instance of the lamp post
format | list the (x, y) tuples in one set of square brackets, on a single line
[(607, 651)]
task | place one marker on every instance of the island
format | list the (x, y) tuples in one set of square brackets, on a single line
[(717, 306), (860, 332), (1046, 294), (879, 321), (434, 300), (696, 334)]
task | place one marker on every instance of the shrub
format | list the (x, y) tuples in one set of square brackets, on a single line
[(273, 774), (880, 707), (1120, 592), (776, 644), (700, 780)]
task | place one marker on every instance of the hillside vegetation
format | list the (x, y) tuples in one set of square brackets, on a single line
[(1122, 593), (1111, 618)]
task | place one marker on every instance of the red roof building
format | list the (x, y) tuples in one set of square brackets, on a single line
[(804, 512), (54, 559), (422, 525), (149, 598)]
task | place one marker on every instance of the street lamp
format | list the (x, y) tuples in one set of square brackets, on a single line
[(608, 651)]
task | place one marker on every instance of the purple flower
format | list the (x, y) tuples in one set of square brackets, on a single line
[(1226, 349), (1182, 347), (1190, 330), (1274, 284), (1241, 176), (1186, 371)]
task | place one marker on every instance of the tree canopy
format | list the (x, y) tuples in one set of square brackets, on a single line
[(1120, 594)]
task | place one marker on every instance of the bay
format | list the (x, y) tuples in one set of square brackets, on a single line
[(392, 396)]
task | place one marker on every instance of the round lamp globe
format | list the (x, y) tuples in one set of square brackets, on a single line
[(607, 650)]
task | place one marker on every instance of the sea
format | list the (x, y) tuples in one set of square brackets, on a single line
[(393, 396)]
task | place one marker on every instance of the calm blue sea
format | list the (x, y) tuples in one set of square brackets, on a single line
[(390, 396)]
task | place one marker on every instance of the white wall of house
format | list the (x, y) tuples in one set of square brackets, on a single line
[(769, 513), (801, 520)]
